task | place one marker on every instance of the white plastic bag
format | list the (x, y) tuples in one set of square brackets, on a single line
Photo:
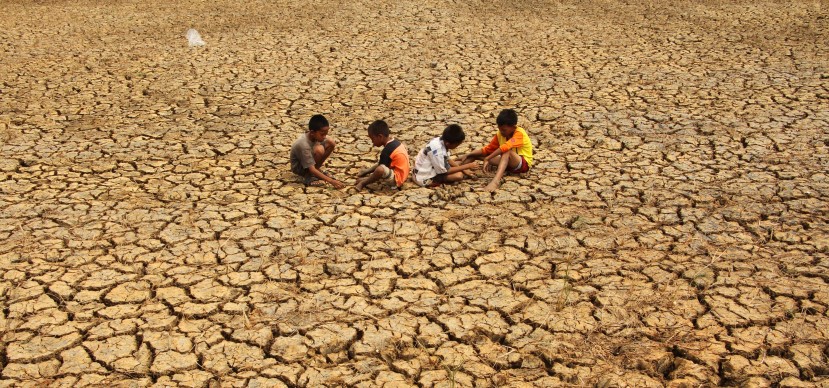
[(193, 38)]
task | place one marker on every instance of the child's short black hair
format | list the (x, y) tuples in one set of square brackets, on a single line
[(453, 134), (378, 127), (507, 117), (317, 122)]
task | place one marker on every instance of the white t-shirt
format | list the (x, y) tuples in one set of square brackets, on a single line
[(431, 161)]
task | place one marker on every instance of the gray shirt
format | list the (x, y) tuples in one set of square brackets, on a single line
[(302, 155)]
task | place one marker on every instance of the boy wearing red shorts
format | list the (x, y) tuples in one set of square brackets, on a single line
[(510, 150)]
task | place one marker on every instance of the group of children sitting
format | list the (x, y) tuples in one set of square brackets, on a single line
[(509, 152)]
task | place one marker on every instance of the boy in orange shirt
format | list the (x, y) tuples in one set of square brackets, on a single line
[(510, 150), (393, 166)]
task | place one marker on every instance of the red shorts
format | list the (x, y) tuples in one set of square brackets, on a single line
[(522, 168)]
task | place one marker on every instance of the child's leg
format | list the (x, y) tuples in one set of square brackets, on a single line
[(323, 150), (455, 163), (509, 160), (492, 166), (449, 178), (375, 176)]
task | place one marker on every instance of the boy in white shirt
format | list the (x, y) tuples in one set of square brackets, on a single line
[(432, 165)]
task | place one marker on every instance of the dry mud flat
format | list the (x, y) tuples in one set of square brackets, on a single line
[(673, 231)]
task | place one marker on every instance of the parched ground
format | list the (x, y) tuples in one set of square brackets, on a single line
[(673, 230)]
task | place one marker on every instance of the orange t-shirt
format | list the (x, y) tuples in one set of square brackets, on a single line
[(519, 140), (395, 157)]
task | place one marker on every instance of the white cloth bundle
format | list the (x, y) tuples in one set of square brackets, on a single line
[(193, 38)]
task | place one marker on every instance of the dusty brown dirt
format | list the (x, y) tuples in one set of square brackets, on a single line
[(673, 231)]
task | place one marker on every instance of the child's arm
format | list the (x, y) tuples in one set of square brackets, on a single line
[(480, 153), (367, 171), (317, 173), (372, 174), (474, 155), (493, 154), (460, 167)]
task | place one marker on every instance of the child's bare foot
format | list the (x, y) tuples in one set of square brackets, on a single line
[(313, 181), (359, 186)]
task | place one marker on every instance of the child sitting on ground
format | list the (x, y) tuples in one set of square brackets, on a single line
[(432, 165), (509, 151), (310, 151), (393, 166)]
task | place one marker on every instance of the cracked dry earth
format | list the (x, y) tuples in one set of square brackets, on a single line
[(672, 232)]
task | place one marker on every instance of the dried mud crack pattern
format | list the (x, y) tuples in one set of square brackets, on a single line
[(673, 231)]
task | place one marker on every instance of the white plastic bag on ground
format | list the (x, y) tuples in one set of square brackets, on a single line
[(193, 38)]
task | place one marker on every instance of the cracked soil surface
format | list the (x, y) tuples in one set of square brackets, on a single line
[(672, 232)]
